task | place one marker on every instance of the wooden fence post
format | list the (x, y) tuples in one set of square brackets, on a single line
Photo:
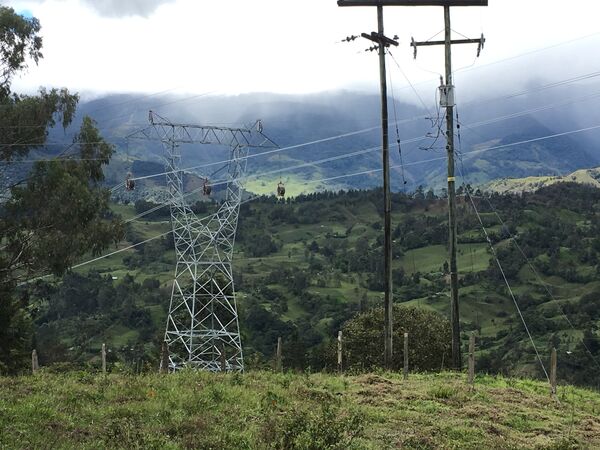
[(164, 358), (34, 362), (223, 359), (553, 363), (471, 376), (104, 359), (278, 364), (405, 371), (339, 351)]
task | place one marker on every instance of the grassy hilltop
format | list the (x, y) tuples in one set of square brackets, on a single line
[(260, 410)]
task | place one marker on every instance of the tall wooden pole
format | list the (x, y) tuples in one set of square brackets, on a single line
[(387, 210), (382, 41), (454, 310)]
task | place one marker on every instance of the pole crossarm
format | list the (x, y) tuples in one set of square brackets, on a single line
[(412, 2), (380, 39), (480, 41)]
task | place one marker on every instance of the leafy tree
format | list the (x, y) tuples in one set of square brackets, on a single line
[(19, 41), (429, 339), (60, 211)]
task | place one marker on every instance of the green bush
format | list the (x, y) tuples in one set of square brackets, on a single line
[(327, 427), (429, 339)]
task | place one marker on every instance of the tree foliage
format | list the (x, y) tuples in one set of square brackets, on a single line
[(19, 41), (60, 211), (429, 339), (26, 119)]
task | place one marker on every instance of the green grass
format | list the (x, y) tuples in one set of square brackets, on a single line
[(261, 410), (294, 184), (120, 335), (471, 257)]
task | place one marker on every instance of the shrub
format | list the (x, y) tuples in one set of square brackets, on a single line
[(429, 339), (326, 427)]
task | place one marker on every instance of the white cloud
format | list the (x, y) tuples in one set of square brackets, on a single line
[(121, 8), (283, 46)]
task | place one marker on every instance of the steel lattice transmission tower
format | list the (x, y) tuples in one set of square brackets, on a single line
[(202, 329)]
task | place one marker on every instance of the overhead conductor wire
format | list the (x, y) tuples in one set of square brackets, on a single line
[(396, 124), (527, 260), (379, 169), (495, 255)]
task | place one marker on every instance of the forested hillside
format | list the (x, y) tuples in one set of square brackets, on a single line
[(306, 266)]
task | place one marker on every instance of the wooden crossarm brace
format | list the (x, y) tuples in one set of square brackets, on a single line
[(480, 42)]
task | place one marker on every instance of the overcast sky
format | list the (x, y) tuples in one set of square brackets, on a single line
[(285, 46)]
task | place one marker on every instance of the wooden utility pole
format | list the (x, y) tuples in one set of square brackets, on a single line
[(447, 101), (382, 42), (387, 202), (454, 312)]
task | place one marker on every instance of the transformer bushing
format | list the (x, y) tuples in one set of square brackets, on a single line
[(202, 330)]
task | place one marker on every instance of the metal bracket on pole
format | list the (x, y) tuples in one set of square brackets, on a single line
[(380, 39)]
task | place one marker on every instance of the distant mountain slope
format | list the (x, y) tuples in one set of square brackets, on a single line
[(292, 121), (483, 160), (590, 177)]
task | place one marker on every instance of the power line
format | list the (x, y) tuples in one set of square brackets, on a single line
[(268, 152), (206, 217), (271, 172), (539, 278), (528, 141), (360, 152), (520, 55), (23, 161), (416, 139), (410, 83), (512, 295), (532, 268), (534, 110), (365, 130), (544, 87)]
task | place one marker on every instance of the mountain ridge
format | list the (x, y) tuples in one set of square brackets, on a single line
[(294, 121)]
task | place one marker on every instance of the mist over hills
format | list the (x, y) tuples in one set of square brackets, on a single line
[(291, 120)]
